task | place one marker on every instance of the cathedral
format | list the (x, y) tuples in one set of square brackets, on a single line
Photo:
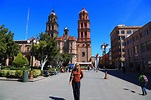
[(79, 47)]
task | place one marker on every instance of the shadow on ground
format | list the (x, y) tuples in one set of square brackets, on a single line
[(56, 98), (129, 76)]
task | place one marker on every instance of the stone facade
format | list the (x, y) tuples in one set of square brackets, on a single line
[(138, 49), (117, 37), (24, 47), (79, 47)]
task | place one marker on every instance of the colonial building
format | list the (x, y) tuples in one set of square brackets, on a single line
[(79, 47), (84, 40), (138, 49), (67, 43), (52, 25), (117, 36), (24, 48)]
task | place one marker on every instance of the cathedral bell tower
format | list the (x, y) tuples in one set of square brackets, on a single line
[(52, 25), (84, 41)]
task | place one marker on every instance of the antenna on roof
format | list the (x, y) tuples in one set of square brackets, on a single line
[(27, 24)]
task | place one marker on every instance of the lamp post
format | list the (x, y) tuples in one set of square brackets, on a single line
[(32, 42), (104, 46)]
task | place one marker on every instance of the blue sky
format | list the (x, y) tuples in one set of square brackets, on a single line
[(104, 15)]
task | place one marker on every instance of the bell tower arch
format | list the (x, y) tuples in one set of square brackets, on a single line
[(52, 25)]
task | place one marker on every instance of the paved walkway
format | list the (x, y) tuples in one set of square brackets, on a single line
[(93, 87)]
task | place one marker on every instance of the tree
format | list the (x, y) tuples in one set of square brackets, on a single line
[(46, 50), (66, 58), (8, 47), (63, 58), (20, 60)]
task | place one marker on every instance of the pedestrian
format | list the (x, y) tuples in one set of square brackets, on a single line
[(75, 77), (143, 82)]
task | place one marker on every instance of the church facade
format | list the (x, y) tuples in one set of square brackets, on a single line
[(79, 47)]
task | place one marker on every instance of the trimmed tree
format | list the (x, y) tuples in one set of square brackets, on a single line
[(20, 60)]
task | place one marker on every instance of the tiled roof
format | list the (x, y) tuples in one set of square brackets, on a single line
[(70, 38)]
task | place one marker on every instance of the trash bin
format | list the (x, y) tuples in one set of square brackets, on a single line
[(25, 76)]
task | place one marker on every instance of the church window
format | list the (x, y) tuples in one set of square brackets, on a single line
[(81, 25), (85, 25), (83, 54), (52, 27), (81, 34), (85, 34)]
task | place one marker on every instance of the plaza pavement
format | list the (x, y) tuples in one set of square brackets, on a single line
[(93, 87)]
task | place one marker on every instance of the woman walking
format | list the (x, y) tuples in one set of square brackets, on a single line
[(75, 77)]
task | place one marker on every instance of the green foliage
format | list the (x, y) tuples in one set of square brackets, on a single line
[(3, 67), (52, 70), (11, 73), (66, 57), (19, 73), (8, 47), (19, 68), (4, 73), (36, 72), (20, 60), (47, 47)]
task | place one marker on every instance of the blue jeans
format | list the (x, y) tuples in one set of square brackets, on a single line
[(143, 86), (76, 90)]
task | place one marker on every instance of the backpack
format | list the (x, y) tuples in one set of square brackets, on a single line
[(145, 79)]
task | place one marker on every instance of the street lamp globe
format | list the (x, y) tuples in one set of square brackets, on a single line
[(28, 41)]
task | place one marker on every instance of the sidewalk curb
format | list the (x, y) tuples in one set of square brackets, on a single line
[(20, 79)]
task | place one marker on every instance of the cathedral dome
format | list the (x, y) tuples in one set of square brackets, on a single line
[(83, 11), (53, 13), (66, 28)]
